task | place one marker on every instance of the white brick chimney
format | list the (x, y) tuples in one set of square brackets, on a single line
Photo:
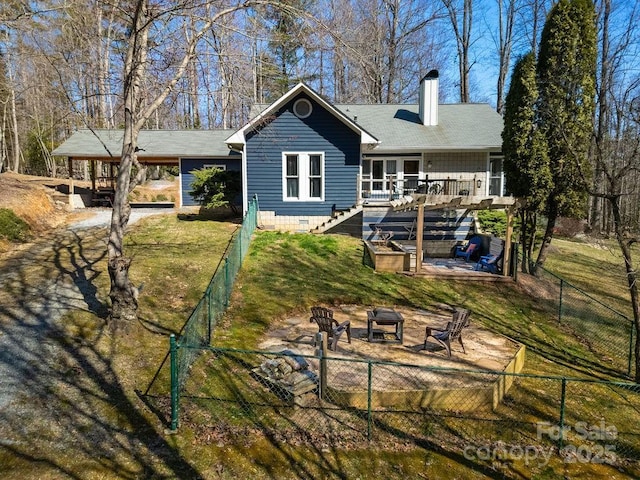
[(428, 102)]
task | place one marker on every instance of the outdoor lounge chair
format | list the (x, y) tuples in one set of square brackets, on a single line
[(452, 332), (466, 251), (330, 326), (490, 263)]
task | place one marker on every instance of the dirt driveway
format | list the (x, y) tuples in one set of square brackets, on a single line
[(61, 403)]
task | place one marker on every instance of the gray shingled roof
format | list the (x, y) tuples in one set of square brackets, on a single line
[(153, 143), (460, 126), (464, 126)]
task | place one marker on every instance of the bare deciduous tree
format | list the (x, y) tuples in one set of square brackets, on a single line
[(461, 17), (506, 23), (616, 148), (142, 59)]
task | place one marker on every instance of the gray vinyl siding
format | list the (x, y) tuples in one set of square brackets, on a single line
[(187, 165), (320, 132), (458, 165)]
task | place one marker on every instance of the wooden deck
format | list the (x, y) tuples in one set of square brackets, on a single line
[(456, 270), (450, 268)]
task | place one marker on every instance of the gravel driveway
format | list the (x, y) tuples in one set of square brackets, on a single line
[(43, 370), (101, 217), (37, 290)]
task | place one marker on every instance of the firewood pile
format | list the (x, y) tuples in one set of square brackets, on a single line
[(289, 373)]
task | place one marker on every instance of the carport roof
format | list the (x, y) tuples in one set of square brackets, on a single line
[(152, 144)]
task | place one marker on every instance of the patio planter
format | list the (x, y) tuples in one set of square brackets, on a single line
[(388, 258)]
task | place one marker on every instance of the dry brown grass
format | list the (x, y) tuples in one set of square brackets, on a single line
[(32, 201)]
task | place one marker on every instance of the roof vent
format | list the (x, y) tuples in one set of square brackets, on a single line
[(302, 108)]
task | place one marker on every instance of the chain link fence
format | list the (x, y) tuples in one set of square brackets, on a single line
[(483, 416), (199, 327), (480, 415), (606, 333)]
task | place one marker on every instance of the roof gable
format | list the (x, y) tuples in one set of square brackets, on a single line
[(239, 137)]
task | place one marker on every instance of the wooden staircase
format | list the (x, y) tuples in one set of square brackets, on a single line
[(341, 218)]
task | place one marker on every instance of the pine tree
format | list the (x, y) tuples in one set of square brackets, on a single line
[(566, 82), (526, 163)]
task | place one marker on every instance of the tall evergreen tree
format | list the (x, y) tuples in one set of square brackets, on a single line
[(286, 43), (526, 163), (566, 104)]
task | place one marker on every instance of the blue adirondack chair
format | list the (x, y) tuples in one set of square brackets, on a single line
[(491, 263), (466, 251)]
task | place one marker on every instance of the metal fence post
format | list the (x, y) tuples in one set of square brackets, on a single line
[(560, 302), (209, 294), (563, 396), (173, 349), (227, 289), (630, 348), (321, 352), (369, 399)]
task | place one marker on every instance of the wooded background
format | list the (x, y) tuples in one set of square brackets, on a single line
[(62, 63)]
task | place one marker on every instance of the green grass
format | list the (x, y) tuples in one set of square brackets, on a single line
[(13, 228), (283, 275), (596, 268)]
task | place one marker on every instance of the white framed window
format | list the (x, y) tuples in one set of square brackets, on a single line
[(496, 175), (302, 176)]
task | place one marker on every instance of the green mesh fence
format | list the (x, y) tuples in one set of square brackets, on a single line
[(607, 334), (478, 415), (199, 327)]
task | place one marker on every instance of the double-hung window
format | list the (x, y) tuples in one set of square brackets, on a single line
[(303, 176)]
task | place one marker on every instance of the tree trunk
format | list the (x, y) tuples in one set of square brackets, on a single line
[(15, 151), (124, 296), (632, 276), (546, 241), (124, 302), (462, 33), (506, 22)]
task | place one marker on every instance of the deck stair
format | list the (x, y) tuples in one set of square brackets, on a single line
[(338, 218)]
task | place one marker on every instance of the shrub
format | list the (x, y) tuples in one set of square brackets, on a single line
[(569, 227), (493, 221), (171, 172), (213, 188), (12, 227)]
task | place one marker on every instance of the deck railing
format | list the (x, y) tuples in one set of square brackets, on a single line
[(393, 188)]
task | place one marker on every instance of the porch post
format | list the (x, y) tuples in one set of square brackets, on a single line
[(71, 187), (93, 176), (112, 175), (506, 261), (419, 236)]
